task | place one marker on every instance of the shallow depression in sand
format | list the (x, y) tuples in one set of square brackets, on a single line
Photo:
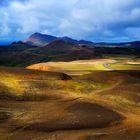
[(78, 115)]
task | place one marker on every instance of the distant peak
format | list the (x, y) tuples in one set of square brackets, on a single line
[(40, 34), (66, 37), (36, 34)]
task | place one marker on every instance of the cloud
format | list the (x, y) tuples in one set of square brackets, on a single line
[(96, 20), (4, 27)]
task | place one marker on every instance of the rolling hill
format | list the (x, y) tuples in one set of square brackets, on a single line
[(100, 105)]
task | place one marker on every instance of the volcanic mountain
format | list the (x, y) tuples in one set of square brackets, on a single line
[(38, 39)]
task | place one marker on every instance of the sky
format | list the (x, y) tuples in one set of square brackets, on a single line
[(94, 20)]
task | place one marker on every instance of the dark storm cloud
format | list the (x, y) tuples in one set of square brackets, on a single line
[(97, 20)]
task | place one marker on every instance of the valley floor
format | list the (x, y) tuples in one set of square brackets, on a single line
[(102, 105)]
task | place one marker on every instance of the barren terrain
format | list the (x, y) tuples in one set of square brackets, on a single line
[(93, 105)]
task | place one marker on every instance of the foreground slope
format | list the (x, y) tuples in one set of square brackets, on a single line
[(51, 105)]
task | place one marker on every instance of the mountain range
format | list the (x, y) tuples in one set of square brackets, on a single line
[(38, 39), (43, 48)]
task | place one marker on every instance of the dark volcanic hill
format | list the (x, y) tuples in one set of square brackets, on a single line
[(59, 47), (22, 54), (60, 50)]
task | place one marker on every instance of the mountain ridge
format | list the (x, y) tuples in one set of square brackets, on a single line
[(38, 39)]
